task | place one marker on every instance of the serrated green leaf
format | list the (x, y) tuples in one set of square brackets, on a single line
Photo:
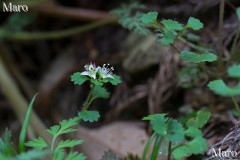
[(193, 132), (194, 23), (220, 88), (129, 21), (32, 154), (90, 116), (238, 13), (68, 143), (158, 122), (53, 130), (171, 25), (168, 38), (198, 145), (199, 120), (197, 58), (234, 71), (100, 92), (64, 127), (149, 17), (117, 80), (37, 143), (75, 156), (78, 79), (175, 131), (181, 152)]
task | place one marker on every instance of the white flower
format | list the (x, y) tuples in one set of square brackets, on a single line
[(106, 72), (90, 70)]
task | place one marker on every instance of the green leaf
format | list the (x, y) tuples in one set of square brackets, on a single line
[(198, 145), (220, 88), (175, 131), (90, 116), (64, 127), (168, 38), (171, 25), (149, 17), (23, 132), (32, 154), (68, 143), (37, 143), (78, 79), (194, 23), (238, 13), (193, 132), (58, 154), (181, 152), (129, 21), (117, 80), (234, 71), (75, 156), (100, 92), (158, 123), (53, 130), (197, 58), (199, 120)]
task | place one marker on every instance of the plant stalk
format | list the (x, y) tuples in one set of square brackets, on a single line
[(27, 36), (169, 150), (220, 28), (89, 99)]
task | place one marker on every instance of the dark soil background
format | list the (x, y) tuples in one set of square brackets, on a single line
[(150, 85)]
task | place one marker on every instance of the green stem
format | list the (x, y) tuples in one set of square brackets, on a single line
[(89, 99), (156, 147), (220, 26), (24, 129), (27, 36), (192, 45), (144, 155), (236, 105), (53, 143), (169, 150)]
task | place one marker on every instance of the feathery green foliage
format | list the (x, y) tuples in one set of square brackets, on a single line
[(91, 116)]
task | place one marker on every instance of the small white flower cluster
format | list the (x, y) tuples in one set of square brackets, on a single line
[(92, 71)]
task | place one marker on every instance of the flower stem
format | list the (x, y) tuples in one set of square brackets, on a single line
[(89, 99)]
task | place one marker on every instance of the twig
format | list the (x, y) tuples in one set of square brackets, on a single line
[(18, 102), (73, 13), (27, 36), (16, 72), (236, 105)]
